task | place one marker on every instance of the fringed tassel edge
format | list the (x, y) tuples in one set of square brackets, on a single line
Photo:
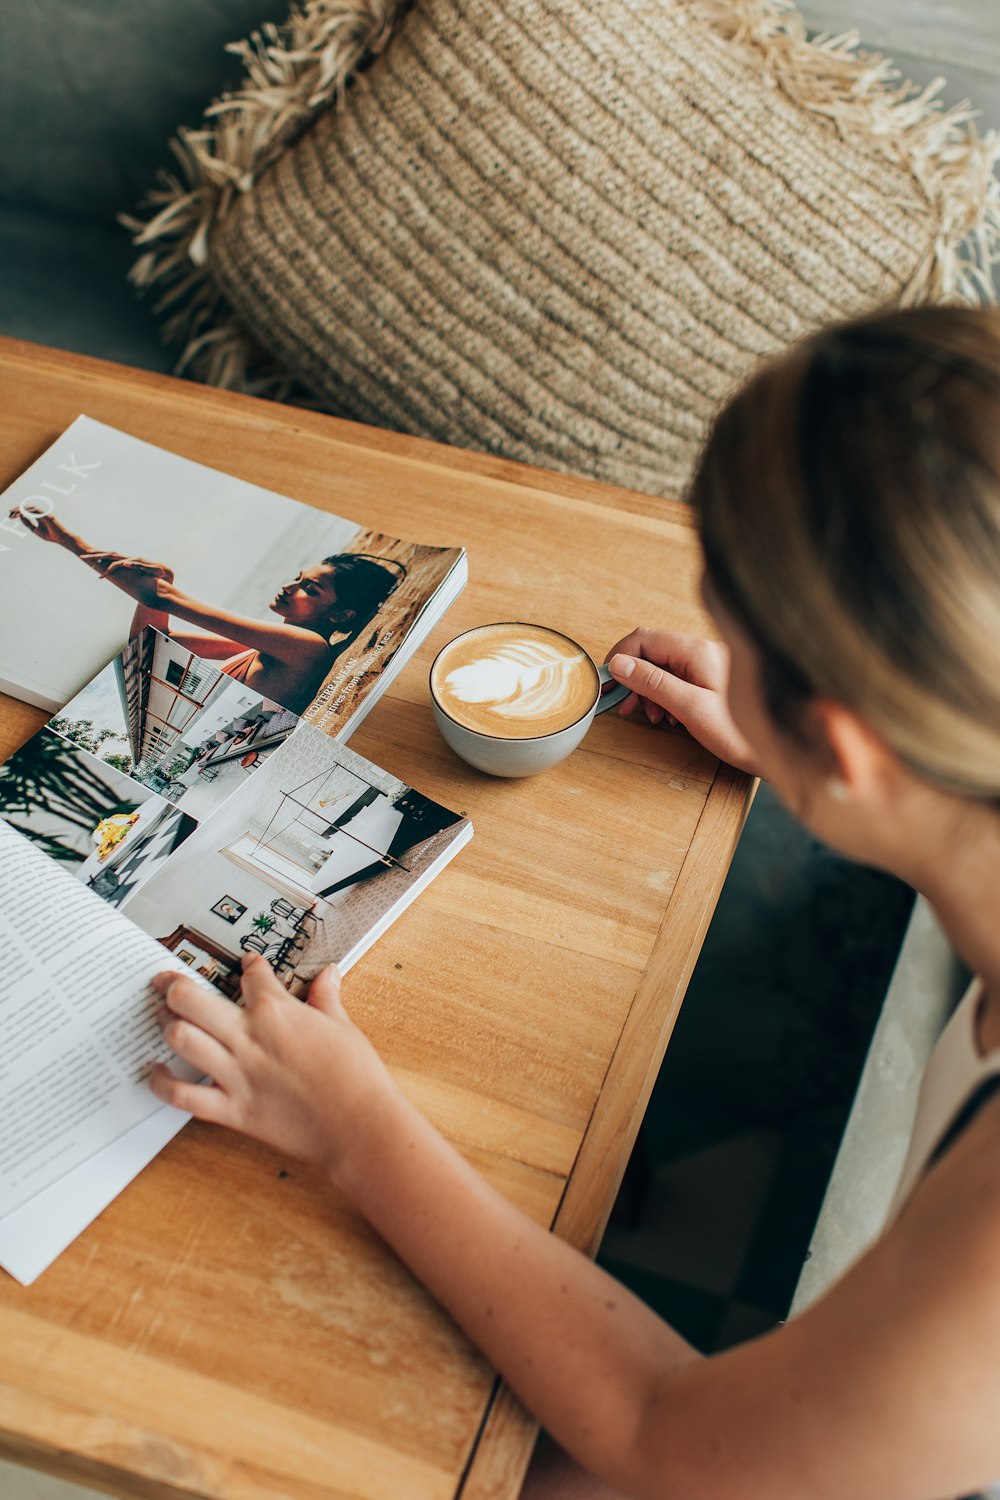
[(296, 70), (292, 72), (863, 96)]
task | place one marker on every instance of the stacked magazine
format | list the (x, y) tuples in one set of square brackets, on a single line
[(207, 647)]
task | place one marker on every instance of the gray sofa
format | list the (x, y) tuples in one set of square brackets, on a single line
[(90, 93)]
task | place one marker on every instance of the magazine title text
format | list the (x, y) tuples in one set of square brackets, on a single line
[(34, 508)]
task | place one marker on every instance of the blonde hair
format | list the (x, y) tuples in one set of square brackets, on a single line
[(849, 505)]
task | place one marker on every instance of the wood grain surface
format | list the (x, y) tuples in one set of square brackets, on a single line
[(229, 1327)]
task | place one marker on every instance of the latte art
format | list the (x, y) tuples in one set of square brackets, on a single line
[(519, 681), (515, 681)]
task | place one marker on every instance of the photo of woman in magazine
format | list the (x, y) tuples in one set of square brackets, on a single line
[(320, 613)]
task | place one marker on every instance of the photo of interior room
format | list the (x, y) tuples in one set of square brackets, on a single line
[(303, 866), (176, 723)]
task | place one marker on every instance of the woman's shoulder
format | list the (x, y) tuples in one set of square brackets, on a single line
[(298, 645)]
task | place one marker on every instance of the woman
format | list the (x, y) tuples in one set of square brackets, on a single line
[(322, 612), (849, 503)]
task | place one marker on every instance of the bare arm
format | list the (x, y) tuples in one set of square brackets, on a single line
[(886, 1390), (152, 586), (284, 643), (209, 647), (49, 529), (144, 618)]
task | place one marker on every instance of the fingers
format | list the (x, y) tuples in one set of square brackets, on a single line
[(653, 712), (664, 691), (643, 641), (120, 569), (703, 711), (136, 565), (196, 1047), (324, 992), (259, 982), (665, 648), (218, 1017), (198, 1099)]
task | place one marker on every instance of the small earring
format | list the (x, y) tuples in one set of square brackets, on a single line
[(837, 790)]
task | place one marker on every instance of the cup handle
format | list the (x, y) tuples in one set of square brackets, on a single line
[(617, 695)]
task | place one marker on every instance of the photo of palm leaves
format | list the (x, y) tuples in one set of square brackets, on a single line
[(109, 831)]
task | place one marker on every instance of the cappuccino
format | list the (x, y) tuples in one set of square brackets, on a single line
[(515, 681)]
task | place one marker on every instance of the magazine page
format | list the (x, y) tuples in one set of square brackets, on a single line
[(169, 817), (300, 865), (428, 580), (78, 1030), (106, 534), (219, 822)]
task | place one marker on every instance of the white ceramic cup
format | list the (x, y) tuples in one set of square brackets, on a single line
[(498, 755)]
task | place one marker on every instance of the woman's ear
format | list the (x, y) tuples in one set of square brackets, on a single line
[(341, 616), (861, 759)]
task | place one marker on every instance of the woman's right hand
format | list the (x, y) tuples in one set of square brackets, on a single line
[(300, 1078), (45, 527), (681, 678)]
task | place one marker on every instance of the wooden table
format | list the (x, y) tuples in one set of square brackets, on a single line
[(229, 1327)]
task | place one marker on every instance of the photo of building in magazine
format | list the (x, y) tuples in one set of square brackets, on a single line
[(220, 823), (178, 724), (105, 535)]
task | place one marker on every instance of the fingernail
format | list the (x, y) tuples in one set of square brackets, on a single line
[(622, 666)]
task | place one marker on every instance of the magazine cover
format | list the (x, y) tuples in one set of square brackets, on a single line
[(105, 535), (221, 823)]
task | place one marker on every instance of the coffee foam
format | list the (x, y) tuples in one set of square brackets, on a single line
[(515, 681)]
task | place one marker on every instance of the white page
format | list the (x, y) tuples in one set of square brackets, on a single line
[(36, 1233), (78, 1036)]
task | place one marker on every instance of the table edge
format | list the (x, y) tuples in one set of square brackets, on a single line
[(503, 1444), (502, 1450), (385, 441)]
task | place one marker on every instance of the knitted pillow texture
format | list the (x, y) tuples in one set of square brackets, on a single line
[(564, 230)]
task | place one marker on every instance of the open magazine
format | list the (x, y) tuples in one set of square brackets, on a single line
[(106, 534), (209, 646), (168, 816)]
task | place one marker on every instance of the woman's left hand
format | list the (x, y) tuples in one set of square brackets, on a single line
[(299, 1077), (133, 575), (108, 562)]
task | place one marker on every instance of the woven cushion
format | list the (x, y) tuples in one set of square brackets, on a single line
[(562, 230)]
